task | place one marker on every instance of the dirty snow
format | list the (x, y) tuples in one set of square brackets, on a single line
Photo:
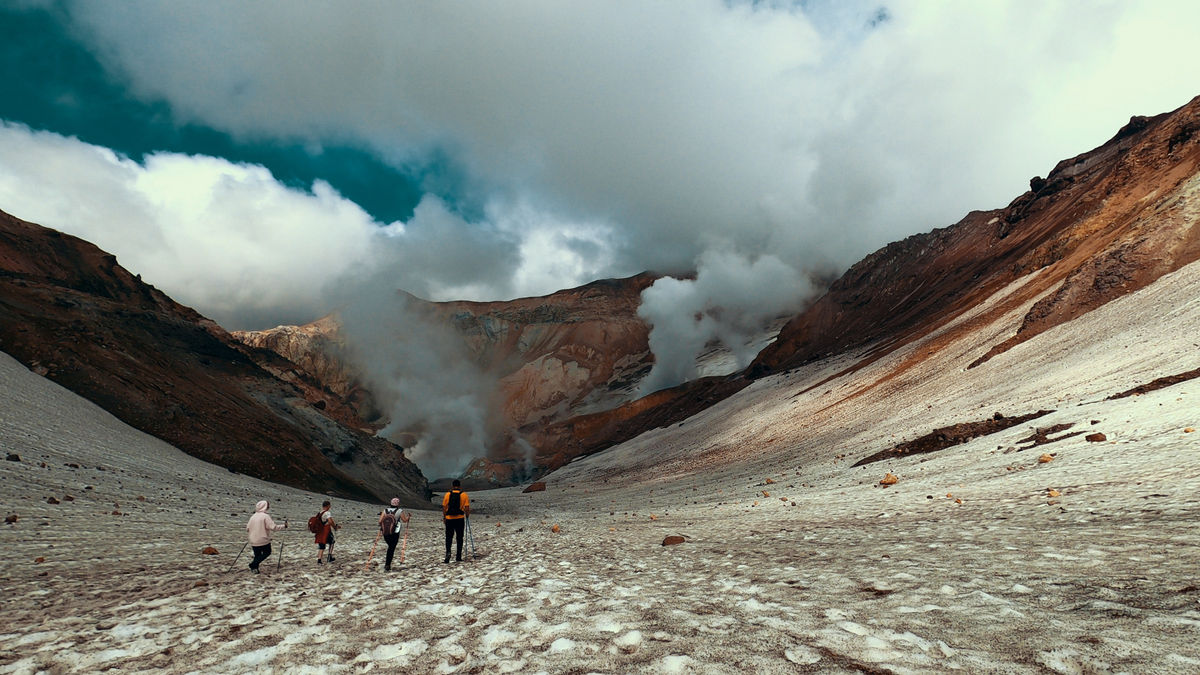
[(966, 564)]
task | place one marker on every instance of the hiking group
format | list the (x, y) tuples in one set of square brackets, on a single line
[(456, 511)]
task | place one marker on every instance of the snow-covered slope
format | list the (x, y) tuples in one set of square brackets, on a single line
[(980, 558)]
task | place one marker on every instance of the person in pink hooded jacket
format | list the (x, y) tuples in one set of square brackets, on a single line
[(259, 531)]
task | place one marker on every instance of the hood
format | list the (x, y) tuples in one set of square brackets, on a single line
[(261, 507)]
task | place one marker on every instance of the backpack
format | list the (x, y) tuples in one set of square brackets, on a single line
[(314, 524), (454, 506), (389, 524)]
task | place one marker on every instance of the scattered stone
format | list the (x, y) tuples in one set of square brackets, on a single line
[(68, 498), (39, 560), (10, 519), (1095, 422), (116, 513), (208, 550), (539, 486), (653, 517), (497, 524), (141, 498), (957, 501), (1045, 458), (200, 583), (555, 529), (889, 479), (13, 457), (73, 465), (769, 481), (1188, 430), (672, 540), (1095, 438), (766, 494), (52, 500), (1053, 493)]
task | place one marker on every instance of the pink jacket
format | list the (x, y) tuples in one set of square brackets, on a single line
[(261, 526)]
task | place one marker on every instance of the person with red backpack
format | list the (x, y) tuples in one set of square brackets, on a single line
[(390, 521), (456, 507), (324, 527)]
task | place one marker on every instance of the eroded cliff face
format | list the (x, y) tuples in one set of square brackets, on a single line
[(574, 352), (1100, 226), (69, 312)]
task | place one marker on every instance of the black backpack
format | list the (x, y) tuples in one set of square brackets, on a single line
[(389, 523), (454, 506)]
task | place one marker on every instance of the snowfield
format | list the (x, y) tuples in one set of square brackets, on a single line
[(981, 557)]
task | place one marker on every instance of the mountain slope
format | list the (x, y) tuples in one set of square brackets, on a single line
[(1101, 225), (70, 312)]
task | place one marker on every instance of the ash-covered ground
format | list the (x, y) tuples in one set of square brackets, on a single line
[(982, 557)]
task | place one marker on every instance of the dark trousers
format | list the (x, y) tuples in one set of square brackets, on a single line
[(454, 528), (261, 553), (391, 539)]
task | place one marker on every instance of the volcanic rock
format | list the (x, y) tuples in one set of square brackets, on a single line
[(1099, 226), (673, 540), (208, 550), (68, 309), (535, 487), (13, 457), (1095, 438)]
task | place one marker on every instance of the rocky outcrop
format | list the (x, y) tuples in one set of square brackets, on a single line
[(553, 357), (69, 312), (1099, 226)]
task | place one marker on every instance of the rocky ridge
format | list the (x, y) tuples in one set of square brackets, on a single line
[(69, 312)]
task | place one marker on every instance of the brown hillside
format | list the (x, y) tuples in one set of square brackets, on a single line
[(69, 312), (1101, 225)]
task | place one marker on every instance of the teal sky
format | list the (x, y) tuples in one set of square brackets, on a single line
[(53, 82)]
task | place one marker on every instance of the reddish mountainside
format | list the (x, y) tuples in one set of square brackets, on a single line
[(1101, 225), (71, 313), (569, 353)]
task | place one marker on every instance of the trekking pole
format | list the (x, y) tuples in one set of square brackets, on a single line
[(279, 560), (372, 550), (235, 558), (471, 536), (405, 544)]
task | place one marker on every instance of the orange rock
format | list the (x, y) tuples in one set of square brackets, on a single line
[(200, 583), (890, 479), (766, 494), (769, 481), (1188, 430), (957, 501), (141, 498), (535, 487), (555, 528), (653, 517), (1053, 493), (208, 550), (39, 560), (1045, 458), (672, 540), (497, 524)]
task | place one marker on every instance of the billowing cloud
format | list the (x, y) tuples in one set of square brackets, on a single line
[(756, 144)]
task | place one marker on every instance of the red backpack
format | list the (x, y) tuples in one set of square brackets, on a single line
[(314, 524)]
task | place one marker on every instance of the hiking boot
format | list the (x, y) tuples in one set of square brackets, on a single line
[(318, 561), (331, 558), (387, 568), (254, 569), (447, 559)]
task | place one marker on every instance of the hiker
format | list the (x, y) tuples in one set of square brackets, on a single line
[(325, 531), (456, 508), (259, 531), (390, 520)]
